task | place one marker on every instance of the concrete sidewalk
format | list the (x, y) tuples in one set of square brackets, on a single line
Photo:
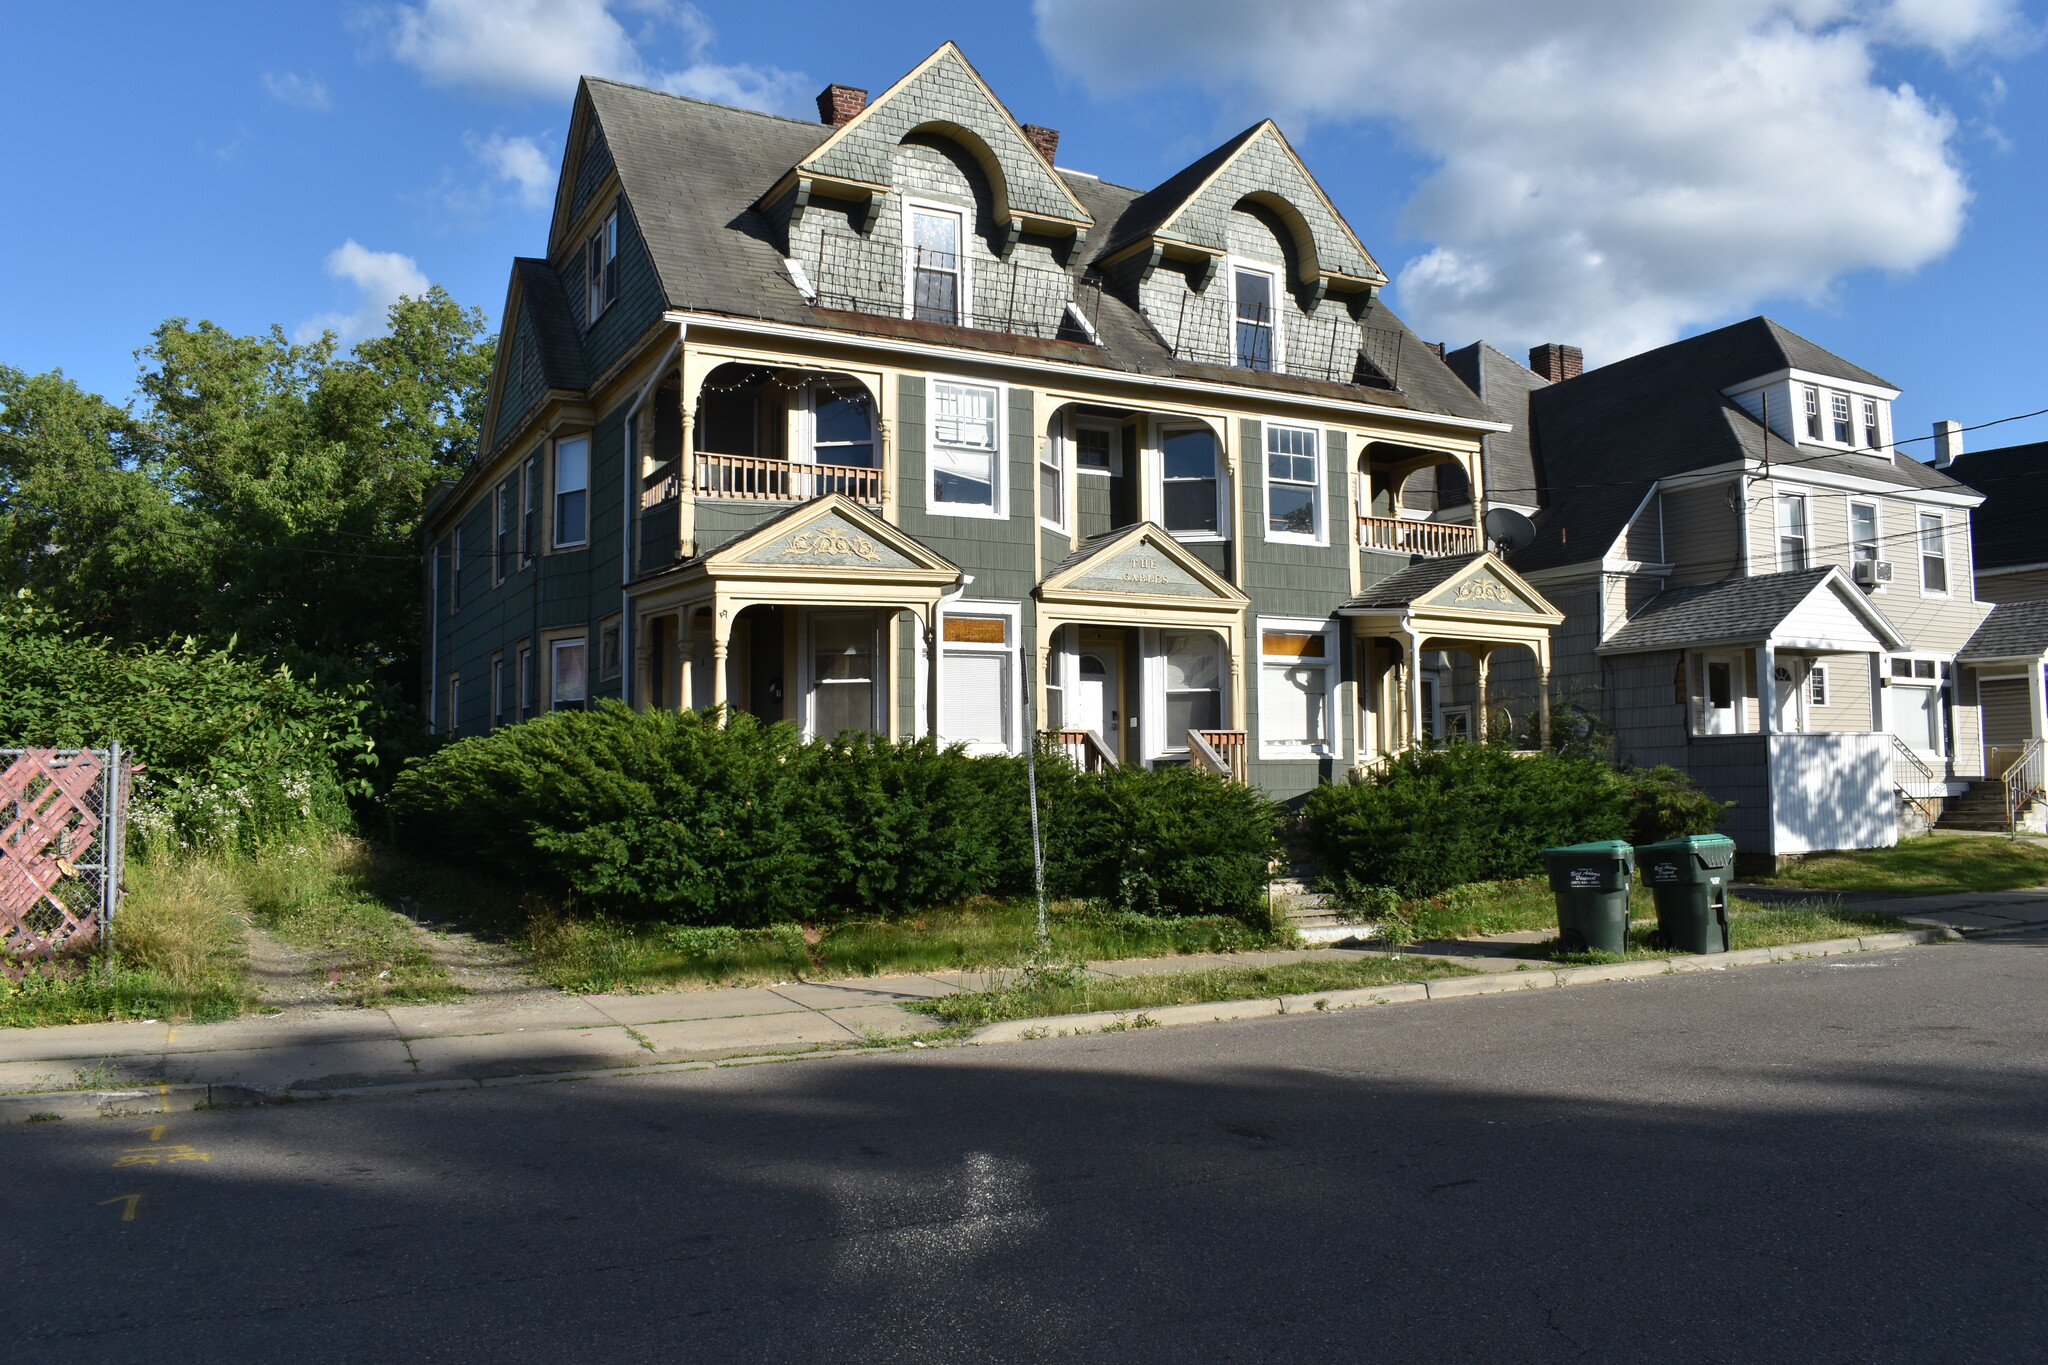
[(336, 1048)]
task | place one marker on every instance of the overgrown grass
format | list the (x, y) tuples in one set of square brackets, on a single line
[(1075, 992), (1932, 865), (1748, 927), (333, 898), (178, 955), (605, 955)]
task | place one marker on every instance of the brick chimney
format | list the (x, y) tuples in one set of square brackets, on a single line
[(1047, 140), (1436, 348), (1948, 442), (838, 104), (1556, 361)]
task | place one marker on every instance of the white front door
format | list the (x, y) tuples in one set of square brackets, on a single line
[(1722, 697), (1092, 704), (1789, 714)]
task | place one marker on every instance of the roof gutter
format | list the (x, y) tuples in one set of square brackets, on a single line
[(1088, 373)]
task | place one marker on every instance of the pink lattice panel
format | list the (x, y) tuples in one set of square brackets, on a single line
[(48, 821)]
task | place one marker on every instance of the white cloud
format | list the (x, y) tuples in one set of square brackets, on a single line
[(1607, 172), (519, 161), (306, 91), (379, 277), (537, 48)]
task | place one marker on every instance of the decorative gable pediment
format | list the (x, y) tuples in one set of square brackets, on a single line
[(945, 96), (832, 535), (1488, 585), (1142, 562), (1193, 220)]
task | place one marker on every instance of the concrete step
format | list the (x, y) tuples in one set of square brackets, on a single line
[(1336, 933)]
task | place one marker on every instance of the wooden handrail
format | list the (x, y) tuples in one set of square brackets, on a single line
[(1220, 751), (752, 478), (1430, 539), (1083, 748)]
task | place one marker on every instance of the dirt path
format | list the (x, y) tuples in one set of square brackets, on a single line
[(293, 976)]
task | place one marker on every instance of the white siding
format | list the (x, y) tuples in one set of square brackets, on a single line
[(1832, 791)]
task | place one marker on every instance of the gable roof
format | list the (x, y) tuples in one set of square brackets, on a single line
[(1602, 439), (1738, 610), (1420, 587), (1504, 386), (1404, 586), (538, 348), (1189, 209), (2013, 630), (2006, 529), (1068, 576)]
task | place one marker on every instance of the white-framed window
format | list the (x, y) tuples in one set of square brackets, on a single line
[(455, 572), (1844, 429), (936, 283), (1722, 694), (1792, 537), (568, 674), (1052, 483), (1297, 688), (842, 423), (601, 268), (1873, 436), (843, 690), (1817, 685), (1095, 449), (572, 492), (1191, 676), (1255, 314), (1865, 544), (1294, 484), (505, 514), (523, 680), (1933, 556), (1915, 704), (1191, 482), (966, 449), (979, 702), (1813, 426), (496, 684), (529, 515)]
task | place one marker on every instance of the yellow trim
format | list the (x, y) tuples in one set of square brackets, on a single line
[(1227, 597)]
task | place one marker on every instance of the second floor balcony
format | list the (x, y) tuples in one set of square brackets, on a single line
[(1429, 539)]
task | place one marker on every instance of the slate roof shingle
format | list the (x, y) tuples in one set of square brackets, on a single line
[(1504, 386), (1603, 438), (546, 302), (2013, 630), (1402, 588), (1734, 609), (2008, 529)]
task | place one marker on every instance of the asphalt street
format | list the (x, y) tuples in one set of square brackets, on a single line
[(1837, 1161)]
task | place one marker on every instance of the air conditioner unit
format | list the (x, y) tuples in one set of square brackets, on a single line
[(1873, 571)]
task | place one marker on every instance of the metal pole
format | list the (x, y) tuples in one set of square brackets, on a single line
[(1044, 943)]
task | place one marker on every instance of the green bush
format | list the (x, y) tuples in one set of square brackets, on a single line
[(1662, 804), (234, 753), (1439, 817), (676, 817)]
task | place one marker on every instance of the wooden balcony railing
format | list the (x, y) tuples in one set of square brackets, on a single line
[(1083, 748), (1430, 539), (1220, 751), (750, 478)]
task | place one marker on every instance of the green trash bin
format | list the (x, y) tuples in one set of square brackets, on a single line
[(1591, 883), (1689, 877)]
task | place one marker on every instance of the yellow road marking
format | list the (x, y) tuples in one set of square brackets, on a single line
[(156, 1133), (129, 1201)]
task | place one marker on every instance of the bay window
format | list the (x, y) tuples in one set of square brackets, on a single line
[(1189, 501), (1295, 689), (572, 492), (1294, 483), (965, 447), (1194, 685)]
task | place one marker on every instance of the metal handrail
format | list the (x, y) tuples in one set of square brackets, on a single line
[(1900, 749), (2025, 781)]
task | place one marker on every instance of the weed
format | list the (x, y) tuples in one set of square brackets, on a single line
[(44, 1116)]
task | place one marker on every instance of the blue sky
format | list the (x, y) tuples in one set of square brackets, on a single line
[(1870, 172)]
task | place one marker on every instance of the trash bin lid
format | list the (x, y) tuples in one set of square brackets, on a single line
[(1612, 848), (1691, 842)]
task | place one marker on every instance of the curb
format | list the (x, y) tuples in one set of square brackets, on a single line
[(1449, 988), (128, 1103)]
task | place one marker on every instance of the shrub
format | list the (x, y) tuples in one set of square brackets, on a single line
[(1436, 818), (674, 816), (1662, 803), (235, 753)]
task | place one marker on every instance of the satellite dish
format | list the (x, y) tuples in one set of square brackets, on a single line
[(1509, 529)]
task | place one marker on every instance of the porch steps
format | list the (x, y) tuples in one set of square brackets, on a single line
[(1981, 808), (1314, 916)]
